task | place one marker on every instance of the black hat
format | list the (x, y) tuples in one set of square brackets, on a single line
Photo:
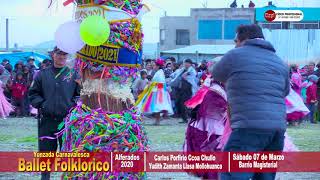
[(58, 51), (188, 61)]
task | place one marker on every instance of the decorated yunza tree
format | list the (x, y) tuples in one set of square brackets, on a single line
[(107, 58)]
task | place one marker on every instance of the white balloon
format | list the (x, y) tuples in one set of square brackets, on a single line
[(68, 38)]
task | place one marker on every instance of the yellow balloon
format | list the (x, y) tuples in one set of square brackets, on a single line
[(94, 30)]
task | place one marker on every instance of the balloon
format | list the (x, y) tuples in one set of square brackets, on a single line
[(94, 30), (68, 38)]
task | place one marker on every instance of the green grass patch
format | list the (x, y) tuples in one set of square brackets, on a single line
[(29, 139), (169, 138), (306, 136)]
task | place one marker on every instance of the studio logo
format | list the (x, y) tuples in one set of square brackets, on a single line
[(283, 15), (270, 15)]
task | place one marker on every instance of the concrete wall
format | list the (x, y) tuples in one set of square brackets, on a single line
[(171, 23)]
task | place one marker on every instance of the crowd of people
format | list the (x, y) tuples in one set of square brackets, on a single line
[(304, 81), (241, 103), (181, 81), (16, 82)]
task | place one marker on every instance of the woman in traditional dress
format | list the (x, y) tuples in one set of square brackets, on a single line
[(297, 85), (296, 109), (296, 79), (208, 119), (209, 128), (5, 107), (155, 98)]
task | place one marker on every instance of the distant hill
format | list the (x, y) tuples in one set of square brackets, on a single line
[(42, 48), (45, 45)]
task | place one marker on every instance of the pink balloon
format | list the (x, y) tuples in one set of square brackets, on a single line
[(68, 38)]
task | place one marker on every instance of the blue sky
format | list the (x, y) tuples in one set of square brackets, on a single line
[(31, 22)]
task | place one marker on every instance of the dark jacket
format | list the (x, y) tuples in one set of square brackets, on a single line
[(257, 82), (53, 96)]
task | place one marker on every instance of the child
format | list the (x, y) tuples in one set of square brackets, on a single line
[(140, 84), (312, 96), (19, 92)]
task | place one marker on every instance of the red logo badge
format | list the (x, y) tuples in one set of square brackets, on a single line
[(270, 15)]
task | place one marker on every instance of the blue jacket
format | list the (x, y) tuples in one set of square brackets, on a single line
[(257, 82)]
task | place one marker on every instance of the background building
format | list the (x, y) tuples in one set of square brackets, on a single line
[(198, 53), (203, 26), (295, 42), (214, 28)]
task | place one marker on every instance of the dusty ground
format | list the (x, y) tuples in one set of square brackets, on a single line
[(20, 135)]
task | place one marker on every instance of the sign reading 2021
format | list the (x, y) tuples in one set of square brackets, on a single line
[(121, 49), (109, 55)]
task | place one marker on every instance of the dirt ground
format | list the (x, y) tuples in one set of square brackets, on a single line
[(21, 135)]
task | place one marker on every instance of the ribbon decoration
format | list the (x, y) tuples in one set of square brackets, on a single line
[(96, 130), (67, 2)]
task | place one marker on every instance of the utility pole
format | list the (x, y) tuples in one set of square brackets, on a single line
[(7, 34)]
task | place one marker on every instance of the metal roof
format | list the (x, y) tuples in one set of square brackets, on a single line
[(202, 49)]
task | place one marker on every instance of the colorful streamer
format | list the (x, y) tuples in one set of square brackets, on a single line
[(89, 130), (120, 74)]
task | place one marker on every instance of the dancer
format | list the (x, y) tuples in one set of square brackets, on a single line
[(105, 119), (296, 85), (185, 86), (296, 79), (296, 109), (5, 107), (156, 98), (209, 128), (208, 119)]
